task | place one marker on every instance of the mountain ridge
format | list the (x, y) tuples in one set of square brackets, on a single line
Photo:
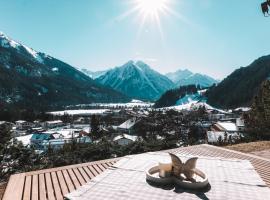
[(239, 88), (186, 77)]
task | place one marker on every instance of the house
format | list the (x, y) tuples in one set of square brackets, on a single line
[(37, 140), (127, 126), (213, 137), (229, 127), (25, 139), (240, 123), (23, 125), (52, 124), (125, 139), (57, 144)]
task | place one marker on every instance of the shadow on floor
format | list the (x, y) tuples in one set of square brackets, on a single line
[(177, 189)]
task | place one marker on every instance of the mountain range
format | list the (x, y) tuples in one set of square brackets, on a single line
[(186, 77), (33, 79), (29, 78), (239, 88), (136, 80)]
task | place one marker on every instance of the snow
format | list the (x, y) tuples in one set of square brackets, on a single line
[(128, 124), (80, 112), (34, 54), (189, 98), (193, 105), (192, 102), (132, 104), (227, 126), (20, 121), (55, 69), (25, 139), (7, 42), (54, 122), (244, 109), (126, 136), (136, 101)]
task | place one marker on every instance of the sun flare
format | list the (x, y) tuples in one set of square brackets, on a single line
[(150, 12), (151, 8)]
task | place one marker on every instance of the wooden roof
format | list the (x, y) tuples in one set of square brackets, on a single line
[(54, 183)]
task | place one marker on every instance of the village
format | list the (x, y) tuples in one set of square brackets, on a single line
[(125, 124)]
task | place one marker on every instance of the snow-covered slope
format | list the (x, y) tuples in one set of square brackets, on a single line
[(136, 80), (33, 79), (186, 77), (193, 102), (7, 42)]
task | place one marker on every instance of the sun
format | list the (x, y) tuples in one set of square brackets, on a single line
[(151, 8), (150, 12)]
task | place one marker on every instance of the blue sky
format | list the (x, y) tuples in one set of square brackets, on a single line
[(208, 36)]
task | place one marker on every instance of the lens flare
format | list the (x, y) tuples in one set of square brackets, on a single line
[(151, 8)]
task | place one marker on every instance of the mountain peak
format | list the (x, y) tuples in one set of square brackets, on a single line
[(7, 42), (137, 80)]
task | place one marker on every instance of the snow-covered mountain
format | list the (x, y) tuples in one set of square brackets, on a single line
[(186, 77), (33, 79), (136, 80), (92, 74)]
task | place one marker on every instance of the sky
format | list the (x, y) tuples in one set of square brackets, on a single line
[(213, 37)]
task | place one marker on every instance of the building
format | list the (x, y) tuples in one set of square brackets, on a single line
[(23, 125), (57, 144), (228, 127), (127, 126), (125, 139), (52, 124), (25, 139), (214, 137), (240, 123), (37, 140)]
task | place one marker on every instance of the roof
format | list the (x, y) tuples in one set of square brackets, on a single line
[(20, 121), (25, 139), (126, 136), (128, 124), (54, 122), (54, 183), (227, 126), (41, 136)]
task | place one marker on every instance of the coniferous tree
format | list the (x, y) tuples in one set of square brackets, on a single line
[(258, 120), (95, 127)]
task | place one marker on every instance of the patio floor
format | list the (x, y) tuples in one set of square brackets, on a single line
[(54, 183)]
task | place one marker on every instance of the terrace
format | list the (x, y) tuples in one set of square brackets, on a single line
[(55, 183)]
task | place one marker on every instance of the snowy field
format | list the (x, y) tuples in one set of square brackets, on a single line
[(80, 112), (132, 104)]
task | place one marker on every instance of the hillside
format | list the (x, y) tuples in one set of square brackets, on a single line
[(136, 80), (239, 88), (32, 79), (177, 96)]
